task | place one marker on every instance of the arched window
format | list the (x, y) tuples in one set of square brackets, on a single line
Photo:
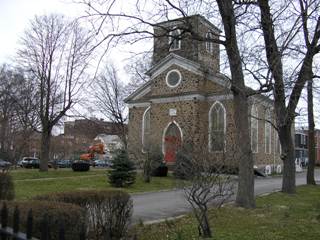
[(146, 129), (175, 39), (277, 143), (209, 42), (254, 128), (217, 127), (267, 132)]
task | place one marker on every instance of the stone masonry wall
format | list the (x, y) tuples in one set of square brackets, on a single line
[(190, 82), (191, 49)]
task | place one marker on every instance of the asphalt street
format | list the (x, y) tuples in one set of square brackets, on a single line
[(154, 206)]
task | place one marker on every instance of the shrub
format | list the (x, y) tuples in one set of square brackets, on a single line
[(71, 216), (6, 186), (160, 171), (183, 166), (153, 159), (109, 211), (80, 166), (123, 171)]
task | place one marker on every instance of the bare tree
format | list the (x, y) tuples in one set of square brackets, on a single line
[(8, 83), (205, 183), (109, 93), (285, 112), (55, 52), (16, 111), (137, 68)]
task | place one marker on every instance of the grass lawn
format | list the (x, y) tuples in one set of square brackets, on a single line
[(30, 182), (277, 217)]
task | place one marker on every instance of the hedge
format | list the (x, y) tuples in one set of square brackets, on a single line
[(70, 215), (108, 211)]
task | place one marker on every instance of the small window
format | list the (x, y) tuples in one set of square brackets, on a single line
[(175, 40), (209, 42), (173, 78)]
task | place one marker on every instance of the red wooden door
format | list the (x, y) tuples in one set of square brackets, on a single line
[(172, 142)]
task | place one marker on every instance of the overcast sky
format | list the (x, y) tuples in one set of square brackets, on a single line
[(16, 14)]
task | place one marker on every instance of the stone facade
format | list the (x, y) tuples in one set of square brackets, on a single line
[(187, 106)]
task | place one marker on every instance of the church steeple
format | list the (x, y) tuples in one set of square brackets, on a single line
[(174, 37)]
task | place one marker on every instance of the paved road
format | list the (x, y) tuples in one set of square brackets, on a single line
[(154, 206)]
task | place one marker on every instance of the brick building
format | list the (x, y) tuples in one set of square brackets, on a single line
[(188, 102)]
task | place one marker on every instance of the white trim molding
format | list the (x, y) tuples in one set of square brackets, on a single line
[(141, 104), (143, 128), (182, 98)]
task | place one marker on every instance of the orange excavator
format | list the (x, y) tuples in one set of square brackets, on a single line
[(94, 149)]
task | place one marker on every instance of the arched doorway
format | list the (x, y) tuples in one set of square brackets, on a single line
[(171, 142)]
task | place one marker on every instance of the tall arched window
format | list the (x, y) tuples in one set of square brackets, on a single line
[(254, 128), (146, 129), (209, 42), (175, 39), (217, 127), (267, 132)]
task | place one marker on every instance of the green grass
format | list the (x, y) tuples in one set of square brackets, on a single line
[(23, 174), (29, 183), (277, 217)]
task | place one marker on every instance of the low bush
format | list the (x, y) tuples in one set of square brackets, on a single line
[(183, 166), (123, 172), (160, 171), (71, 216), (109, 211), (6, 186), (80, 166)]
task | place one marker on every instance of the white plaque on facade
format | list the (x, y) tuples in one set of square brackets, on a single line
[(172, 112)]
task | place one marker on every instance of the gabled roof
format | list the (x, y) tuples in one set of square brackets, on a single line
[(141, 91), (170, 60), (174, 59)]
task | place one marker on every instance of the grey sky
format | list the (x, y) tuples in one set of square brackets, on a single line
[(16, 14)]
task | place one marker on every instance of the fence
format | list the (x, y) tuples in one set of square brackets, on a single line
[(8, 233)]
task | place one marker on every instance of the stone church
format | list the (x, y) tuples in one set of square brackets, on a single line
[(188, 102)]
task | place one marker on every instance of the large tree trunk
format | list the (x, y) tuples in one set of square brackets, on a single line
[(245, 194), (45, 149), (287, 156), (311, 137)]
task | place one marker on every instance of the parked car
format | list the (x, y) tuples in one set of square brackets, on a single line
[(30, 162), (4, 164), (19, 163), (102, 163), (64, 163)]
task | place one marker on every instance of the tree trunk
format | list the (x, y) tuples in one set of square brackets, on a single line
[(245, 194), (311, 137), (288, 158), (205, 226), (3, 134), (45, 149)]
